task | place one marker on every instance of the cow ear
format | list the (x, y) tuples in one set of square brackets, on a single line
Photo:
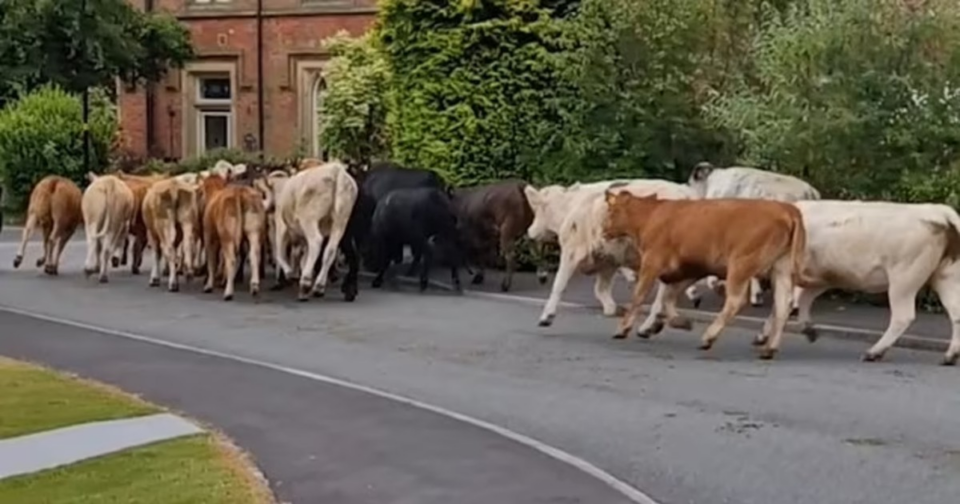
[(91, 176), (610, 197), (701, 171), (532, 194)]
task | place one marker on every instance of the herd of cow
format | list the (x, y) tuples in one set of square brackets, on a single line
[(741, 225)]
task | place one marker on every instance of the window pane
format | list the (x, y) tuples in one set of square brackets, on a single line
[(217, 88), (214, 132)]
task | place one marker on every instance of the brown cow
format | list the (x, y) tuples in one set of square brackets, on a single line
[(232, 214), (55, 207), (681, 241), (494, 217), (139, 184), (171, 214), (107, 206)]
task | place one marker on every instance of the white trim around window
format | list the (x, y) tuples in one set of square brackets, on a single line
[(202, 115)]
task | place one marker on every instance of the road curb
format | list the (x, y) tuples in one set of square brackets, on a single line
[(910, 341)]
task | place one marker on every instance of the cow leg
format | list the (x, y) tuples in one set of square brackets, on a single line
[(541, 252), (782, 295), (171, 256), (138, 246), (126, 245), (90, 266), (756, 292), (243, 253), (25, 237), (508, 248), (108, 247), (228, 253), (737, 286), (119, 256), (803, 300), (155, 270), (569, 259), (50, 263), (603, 291), (694, 295), (47, 246), (256, 262), (948, 290), (350, 287), (311, 232), (427, 258), (653, 324), (903, 298), (60, 243), (281, 244), (647, 279), (189, 254), (212, 246), (328, 259)]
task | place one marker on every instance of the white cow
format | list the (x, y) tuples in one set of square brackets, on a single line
[(108, 209), (310, 205), (877, 246), (575, 216), (741, 182)]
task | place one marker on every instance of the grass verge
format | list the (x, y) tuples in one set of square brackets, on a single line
[(34, 399), (204, 468)]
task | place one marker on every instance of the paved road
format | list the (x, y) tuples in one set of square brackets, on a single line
[(815, 426)]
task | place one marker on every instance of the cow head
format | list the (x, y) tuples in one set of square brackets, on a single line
[(698, 177), (549, 209), (622, 212)]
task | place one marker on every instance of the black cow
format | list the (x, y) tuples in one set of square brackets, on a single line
[(422, 218)]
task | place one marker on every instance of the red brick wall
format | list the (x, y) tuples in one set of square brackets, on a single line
[(292, 30)]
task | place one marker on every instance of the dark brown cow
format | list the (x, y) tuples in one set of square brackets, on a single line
[(55, 207), (682, 241), (494, 217)]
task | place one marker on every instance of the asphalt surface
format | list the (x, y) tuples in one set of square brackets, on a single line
[(816, 425)]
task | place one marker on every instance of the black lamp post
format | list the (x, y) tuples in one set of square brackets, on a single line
[(86, 98)]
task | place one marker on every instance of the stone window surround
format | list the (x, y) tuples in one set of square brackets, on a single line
[(191, 110), (308, 71)]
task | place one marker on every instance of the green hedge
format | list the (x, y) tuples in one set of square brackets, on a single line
[(42, 134)]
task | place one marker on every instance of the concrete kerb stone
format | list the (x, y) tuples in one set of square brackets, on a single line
[(827, 330)]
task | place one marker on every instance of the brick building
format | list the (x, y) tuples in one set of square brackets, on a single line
[(258, 70)]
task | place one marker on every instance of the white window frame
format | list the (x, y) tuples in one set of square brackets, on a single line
[(317, 128), (203, 113), (203, 102)]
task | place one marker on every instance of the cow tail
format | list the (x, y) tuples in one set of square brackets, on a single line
[(340, 205), (798, 245), (953, 234), (105, 223)]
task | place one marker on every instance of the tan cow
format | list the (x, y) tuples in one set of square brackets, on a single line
[(310, 205), (139, 184), (107, 206), (231, 215), (681, 241), (55, 207), (172, 217)]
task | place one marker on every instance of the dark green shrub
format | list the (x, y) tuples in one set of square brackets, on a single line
[(42, 134)]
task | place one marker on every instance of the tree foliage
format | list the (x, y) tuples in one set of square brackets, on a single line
[(55, 41), (353, 103), (474, 86), (42, 134)]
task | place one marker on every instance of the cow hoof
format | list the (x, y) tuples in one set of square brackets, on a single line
[(50, 270), (654, 329), (759, 340), (350, 296), (696, 302), (134, 271), (207, 289), (377, 283), (154, 282), (811, 333), (423, 287), (542, 279), (174, 288), (40, 262), (318, 293), (103, 280), (794, 312), (228, 297), (477, 279), (17, 261), (88, 271), (546, 321), (115, 262), (949, 360), (682, 323), (756, 304), (767, 354), (705, 345), (303, 293), (872, 357), (505, 286)]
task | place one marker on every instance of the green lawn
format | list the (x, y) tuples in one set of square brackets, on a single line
[(33, 399), (192, 470), (199, 469)]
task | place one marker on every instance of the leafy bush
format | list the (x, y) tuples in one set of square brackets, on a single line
[(42, 134), (474, 85), (354, 103)]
